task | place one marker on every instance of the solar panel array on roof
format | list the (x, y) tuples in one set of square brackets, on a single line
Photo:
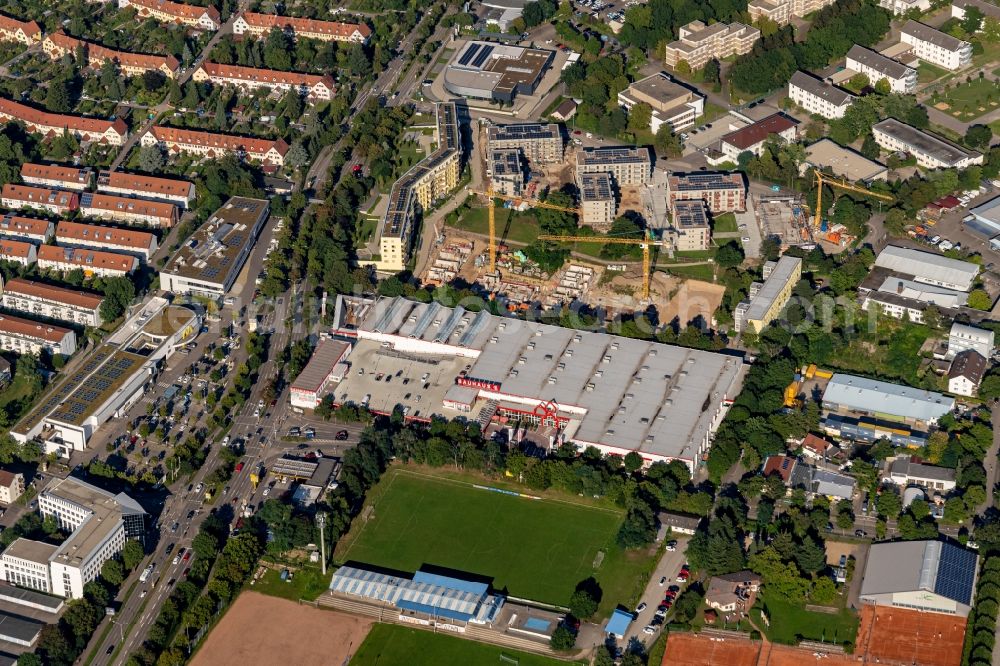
[(705, 181), (523, 131), (612, 156), (469, 54), (484, 53), (956, 573)]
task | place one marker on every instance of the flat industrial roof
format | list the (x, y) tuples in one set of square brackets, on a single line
[(871, 395), (19, 628), (660, 88), (843, 162), (924, 142), (322, 362), (773, 285), (497, 67), (928, 265), (28, 549), (21, 594), (915, 566), (106, 516)]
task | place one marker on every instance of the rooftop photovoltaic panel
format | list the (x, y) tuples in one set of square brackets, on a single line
[(524, 131), (613, 156), (705, 181), (689, 214), (596, 186), (956, 573), (469, 54), (484, 53)]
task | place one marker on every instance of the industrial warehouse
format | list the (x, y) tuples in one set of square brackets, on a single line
[(616, 394)]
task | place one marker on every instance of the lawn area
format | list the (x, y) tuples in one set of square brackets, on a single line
[(927, 72), (968, 100), (700, 255), (395, 645), (523, 229), (791, 623), (306, 583), (696, 272), (364, 230), (725, 223), (538, 549), (18, 389)]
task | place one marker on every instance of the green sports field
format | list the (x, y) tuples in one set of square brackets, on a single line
[(393, 645), (537, 549)]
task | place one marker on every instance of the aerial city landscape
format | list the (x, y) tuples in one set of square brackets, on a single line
[(517, 332)]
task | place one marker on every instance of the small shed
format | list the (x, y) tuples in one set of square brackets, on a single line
[(618, 625)]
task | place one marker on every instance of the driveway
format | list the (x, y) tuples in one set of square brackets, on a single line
[(669, 566)]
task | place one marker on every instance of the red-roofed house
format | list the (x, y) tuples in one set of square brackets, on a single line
[(257, 24), (313, 86), (93, 262), (203, 18), (112, 132), (752, 137), (780, 465), (26, 336), (12, 30), (57, 175), (57, 202), (210, 144), (815, 447), (59, 44)]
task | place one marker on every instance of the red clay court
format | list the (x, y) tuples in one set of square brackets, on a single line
[(901, 637), (701, 650)]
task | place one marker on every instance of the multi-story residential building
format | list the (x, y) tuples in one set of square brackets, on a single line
[(628, 166), (962, 337), (19, 252), (753, 138), (766, 300), (931, 151), (210, 144), (505, 171), (875, 66), (899, 7), (904, 472), (698, 43), (256, 24), (92, 262), (722, 192), (539, 143), (11, 486), (313, 87), (691, 229), (178, 192), (818, 97), (159, 214), (936, 47), (987, 9), (966, 373), (58, 44), (26, 228), (99, 524), (46, 300), (26, 336), (425, 182), (597, 200), (782, 11), (57, 176), (670, 101), (201, 18), (142, 244), (111, 132), (57, 202), (12, 30)]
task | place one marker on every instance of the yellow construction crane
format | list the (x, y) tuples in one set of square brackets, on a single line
[(491, 196), (644, 243), (824, 179)]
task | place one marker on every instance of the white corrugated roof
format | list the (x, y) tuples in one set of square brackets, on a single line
[(870, 395), (928, 266)]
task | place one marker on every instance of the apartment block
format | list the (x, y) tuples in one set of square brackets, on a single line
[(313, 87), (691, 229), (931, 151), (11, 486), (936, 47), (25, 32), (19, 252), (818, 97), (58, 44), (57, 176), (505, 171), (52, 302), (25, 228), (721, 192), (670, 101), (752, 138), (201, 18), (967, 372), (92, 262), (210, 144), (597, 200), (875, 66), (111, 132), (141, 244), (899, 7), (158, 214), (256, 24), (539, 143), (178, 192), (628, 166), (698, 43), (767, 300), (987, 9), (27, 336), (782, 11), (56, 202), (962, 337)]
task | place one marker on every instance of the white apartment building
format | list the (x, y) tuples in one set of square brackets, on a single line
[(45, 300), (962, 337), (875, 66), (142, 244), (92, 262), (57, 176), (628, 166), (818, 97), (782, 11), (930, 151), (698, 43), (670, 101), (597, 200), (313, 87), (11, 486), (26, 336), (966, 373), (540, 143), (178, 192), (987, 9), (690, 230), (936, 47), (899, 7), (721, 192)]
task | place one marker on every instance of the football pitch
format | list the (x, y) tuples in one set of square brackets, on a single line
[(536, 549)]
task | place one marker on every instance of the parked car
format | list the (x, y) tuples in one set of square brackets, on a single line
[(641, 607), (663, 580)]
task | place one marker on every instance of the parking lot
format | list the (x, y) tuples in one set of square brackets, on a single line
[(667, 571)]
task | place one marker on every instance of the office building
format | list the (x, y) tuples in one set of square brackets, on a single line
[(166, 11), (314, 87), (51, 302), (142, 244), (929, 576), (818, 97), (930, 151), (212, 144), (752, 138), (597, 200), (59, 44), (111, 132), (91, 262), (27, 336), (628, 166), (505, 171), (156, 214), (691, 229), (766, 302), (496, 72), (325, 367), (721, 192), (540, 143), (208, 263), (57, 176), (258, 25), (178, 192), (671, 102), (875, 66), (698, 43), (936, 47), (54, 202), (26, 228)]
